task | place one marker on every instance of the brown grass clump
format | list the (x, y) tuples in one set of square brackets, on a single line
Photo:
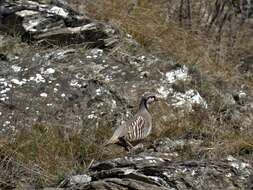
[(213, 45), (44, 155), (161, 33)]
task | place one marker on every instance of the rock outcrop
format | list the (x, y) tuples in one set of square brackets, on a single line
[(159, 170), (76, 85), (53, 24)]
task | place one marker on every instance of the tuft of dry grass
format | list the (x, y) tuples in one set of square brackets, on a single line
[(160, 33), (44, 155), (217, 140), (209, 51)]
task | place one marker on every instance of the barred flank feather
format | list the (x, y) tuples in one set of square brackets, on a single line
[(136, 128)]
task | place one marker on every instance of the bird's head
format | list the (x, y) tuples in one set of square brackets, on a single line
[(147, 99)]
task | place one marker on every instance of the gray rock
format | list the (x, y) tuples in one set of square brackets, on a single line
[(149, 172), (79, 179), (54, 24)]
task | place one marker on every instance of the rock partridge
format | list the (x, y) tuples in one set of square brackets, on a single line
[(139, 127)]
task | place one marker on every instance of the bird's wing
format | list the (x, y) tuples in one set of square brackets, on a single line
[(136, 129)]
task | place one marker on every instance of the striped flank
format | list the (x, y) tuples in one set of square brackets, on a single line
[(136, 129)]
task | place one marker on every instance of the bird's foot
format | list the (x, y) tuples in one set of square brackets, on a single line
[(137, 148)]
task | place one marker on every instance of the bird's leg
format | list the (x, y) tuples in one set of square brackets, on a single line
[(126, 143), (138, 146)]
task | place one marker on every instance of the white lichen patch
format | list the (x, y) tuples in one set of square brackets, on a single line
[(75, 83), (3, 82), (49, 71), (31, 25), (193, 172), (5, 90), (238, 165), (55, 55), (231, 158), (4, 98), (242, 94), (108, 78), (152, 161), (16, 68), (98, 91), (18, 82), (155, 178), (136, 159), (142, 58), (12, 57), (86, 27), (55, 90), (92, 116), (43, 94), (114, 104), (99, 105), (35, 3), (235, 165), (97, 68), (59, 11), (79, 179), (38, 78), (132, 62), (6, 123), (25, 13), (163, 92), (188, 98), (128, 171), (96, 52), (178, 74), (167, 175), (115, 67), (154, 158)]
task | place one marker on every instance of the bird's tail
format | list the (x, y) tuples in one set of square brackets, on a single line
[(112, 140), (115, 137)]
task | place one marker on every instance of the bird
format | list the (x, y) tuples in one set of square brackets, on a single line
[(138, 127)]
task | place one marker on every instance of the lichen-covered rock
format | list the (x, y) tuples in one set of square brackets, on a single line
[(76, 88), (53, 24), (145, 171), (77, 85)]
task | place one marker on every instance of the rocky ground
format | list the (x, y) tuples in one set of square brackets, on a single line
[(68, 79)]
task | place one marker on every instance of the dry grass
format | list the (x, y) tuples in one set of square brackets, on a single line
[(44, 155), (216, 62), (148, 23)]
